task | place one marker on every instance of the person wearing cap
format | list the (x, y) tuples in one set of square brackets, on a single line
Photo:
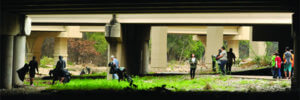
[(115, 64)]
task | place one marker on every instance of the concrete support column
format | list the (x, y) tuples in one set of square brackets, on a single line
[(7, 43), (60, 48), (214, 42), (34, 46), (257, 48), (134, 36), (145, 57), (19, 57), (10, 26), (159, 46), (296, 36), (234, 44)]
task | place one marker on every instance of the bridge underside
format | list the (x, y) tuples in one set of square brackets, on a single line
[(146, 6), (12, 24)]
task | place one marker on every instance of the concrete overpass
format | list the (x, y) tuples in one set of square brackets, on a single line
[(124, 42), (231, 34), (12, 27)]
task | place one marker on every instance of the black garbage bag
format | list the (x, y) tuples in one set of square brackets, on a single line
[(22, 72), (55, 74), (67, 75)]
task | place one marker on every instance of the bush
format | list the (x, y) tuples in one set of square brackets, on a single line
[(70, 63), (46, 61), (207, 87), (262, 60)]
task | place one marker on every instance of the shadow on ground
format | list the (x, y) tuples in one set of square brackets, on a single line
[(157, 93)]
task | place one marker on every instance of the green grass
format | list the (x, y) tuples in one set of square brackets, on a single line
[(173, 83), (92, 75)]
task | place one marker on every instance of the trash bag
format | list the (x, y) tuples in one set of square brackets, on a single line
[(55, 74), (22, 72), (67, 75)]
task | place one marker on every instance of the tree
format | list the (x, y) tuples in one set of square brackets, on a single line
[(180, 47), (81, 50)]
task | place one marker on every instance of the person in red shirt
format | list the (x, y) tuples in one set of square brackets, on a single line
[(277, 66)]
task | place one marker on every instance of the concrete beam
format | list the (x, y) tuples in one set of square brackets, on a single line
[(200, 30), (47, 28), (71, 18), (92, 29), (57, 28), (175, 18)]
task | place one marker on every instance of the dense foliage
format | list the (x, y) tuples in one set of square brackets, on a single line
[(91, 48), (180, 47)]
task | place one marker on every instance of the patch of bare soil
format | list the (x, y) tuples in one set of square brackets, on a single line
[(73, 69)]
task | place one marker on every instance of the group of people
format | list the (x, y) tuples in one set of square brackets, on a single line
[(32, 67), (288, 64), (223, 58)]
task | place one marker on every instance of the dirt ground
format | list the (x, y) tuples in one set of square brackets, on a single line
[(74, 69)]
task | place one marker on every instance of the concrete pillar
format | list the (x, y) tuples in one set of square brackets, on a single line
[(34, 47), (7, 61), (19, 57), (145, 57), (159, 46), (10, 26), (257, 48), (134, 36), (60, 49), (214, 42), (296, 36), (234, 44)]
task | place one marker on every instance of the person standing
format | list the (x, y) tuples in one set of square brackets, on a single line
[(292, 60), (273, 66), (193, 65), (287, 56), (213, 63), (114, 67), (230, 59), (33, 65), (277, 71), (60, 66), (223, 59)]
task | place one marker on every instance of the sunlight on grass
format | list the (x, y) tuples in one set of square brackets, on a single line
[(173, 83)]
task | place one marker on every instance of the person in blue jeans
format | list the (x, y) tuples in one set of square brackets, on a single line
[(115, 62), (223, 59)]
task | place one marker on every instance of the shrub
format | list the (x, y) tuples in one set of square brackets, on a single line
[(46, 61), (262, 60), (207, 87), (70, 63)]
